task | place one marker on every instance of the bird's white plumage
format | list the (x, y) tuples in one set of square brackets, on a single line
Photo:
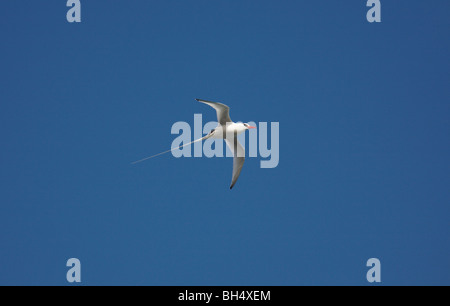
[(223, 111), (238, 159), (227, 130)]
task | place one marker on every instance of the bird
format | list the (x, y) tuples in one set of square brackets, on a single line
[(226, 130)]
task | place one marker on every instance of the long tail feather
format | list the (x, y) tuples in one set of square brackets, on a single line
[(173, 149)]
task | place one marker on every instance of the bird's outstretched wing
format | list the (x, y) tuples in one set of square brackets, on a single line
[(238, 158), (223, 111)]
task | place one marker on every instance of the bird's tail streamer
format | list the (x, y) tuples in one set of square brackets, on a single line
[(173, 149)]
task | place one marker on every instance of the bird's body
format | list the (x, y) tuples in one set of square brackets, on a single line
[(226, 130), (229, 130)]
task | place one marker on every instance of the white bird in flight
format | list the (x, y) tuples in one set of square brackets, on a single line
[(226, 130)]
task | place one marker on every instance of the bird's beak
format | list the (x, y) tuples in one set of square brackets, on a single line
[(252, 127)]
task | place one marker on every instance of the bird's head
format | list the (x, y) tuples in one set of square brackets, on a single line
[(248, 126)]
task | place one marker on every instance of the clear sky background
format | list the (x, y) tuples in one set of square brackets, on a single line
[(364, 113)]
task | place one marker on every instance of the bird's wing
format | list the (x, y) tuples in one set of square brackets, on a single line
[(223, 111), (238, 158)]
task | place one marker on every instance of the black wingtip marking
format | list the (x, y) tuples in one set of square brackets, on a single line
[(202, 100)]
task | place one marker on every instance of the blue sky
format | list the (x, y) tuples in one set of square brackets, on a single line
[(364, 142)]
